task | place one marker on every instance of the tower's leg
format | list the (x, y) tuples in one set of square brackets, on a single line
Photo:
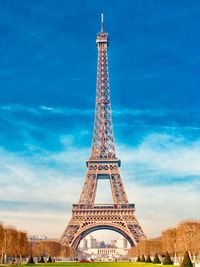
[(89, 189), (117, 187)]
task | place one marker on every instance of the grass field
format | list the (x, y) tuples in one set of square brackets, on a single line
[(92, 264)]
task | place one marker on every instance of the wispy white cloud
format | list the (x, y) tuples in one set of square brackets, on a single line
[(41, 183), (66, 111), (38, 222), (153, 111), (42, 109), (139, 112), (17, 107), (159, 207), (164, 153), (157, 172)]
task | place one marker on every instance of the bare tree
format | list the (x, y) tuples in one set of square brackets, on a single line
[(23, 248), (12, 242), (1, 242), (49, 248), (169, 241), (188, 237), (146, 247), (175, 241)]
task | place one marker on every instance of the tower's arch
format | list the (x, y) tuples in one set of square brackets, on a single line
[(93, 228)]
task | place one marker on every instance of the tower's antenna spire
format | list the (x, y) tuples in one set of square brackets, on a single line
[(101, 22)]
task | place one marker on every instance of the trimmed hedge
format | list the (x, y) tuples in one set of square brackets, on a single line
[(156, 259), (41, 260), (49, 259), (31, 260), (167, 260), (148, 259), (186, 260), (138, 259)]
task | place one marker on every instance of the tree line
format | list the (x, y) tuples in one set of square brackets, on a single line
[(50, 248), (175, 241), (15, 246), (13, 243)]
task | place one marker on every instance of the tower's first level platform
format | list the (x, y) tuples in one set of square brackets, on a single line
[(103, 206)]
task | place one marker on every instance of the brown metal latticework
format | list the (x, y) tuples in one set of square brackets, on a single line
[(103, 142), (102, 164)]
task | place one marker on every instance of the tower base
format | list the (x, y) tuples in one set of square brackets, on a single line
[(88, 218)]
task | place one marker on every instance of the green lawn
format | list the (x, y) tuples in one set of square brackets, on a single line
[(92, 264)]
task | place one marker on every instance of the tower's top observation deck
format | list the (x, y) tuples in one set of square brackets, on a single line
[(102, 37)]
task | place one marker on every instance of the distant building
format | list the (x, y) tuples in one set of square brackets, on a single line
[(84, 244), (91, 241), (102, 244), (90, 248), (121, 243), (88, 242), (37, 237), (113, 244)]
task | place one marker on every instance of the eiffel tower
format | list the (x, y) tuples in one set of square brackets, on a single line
[(102, 164)]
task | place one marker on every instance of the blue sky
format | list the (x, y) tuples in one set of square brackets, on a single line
[(47, 98)]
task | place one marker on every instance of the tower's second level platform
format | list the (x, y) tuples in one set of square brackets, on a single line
[(103, 207)]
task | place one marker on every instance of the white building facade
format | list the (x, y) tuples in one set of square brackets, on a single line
[(90, 249)]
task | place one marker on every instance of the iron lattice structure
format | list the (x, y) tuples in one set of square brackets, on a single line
[(102, 164)]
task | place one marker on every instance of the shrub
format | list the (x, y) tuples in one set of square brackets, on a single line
[(167, 260), (138, 259), (148, 259), (49, 259), (156, 259), (31, 260), (142, 259), (41, 260), (186, 260)]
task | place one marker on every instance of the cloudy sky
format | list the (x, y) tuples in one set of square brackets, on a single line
[(47, 99)]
